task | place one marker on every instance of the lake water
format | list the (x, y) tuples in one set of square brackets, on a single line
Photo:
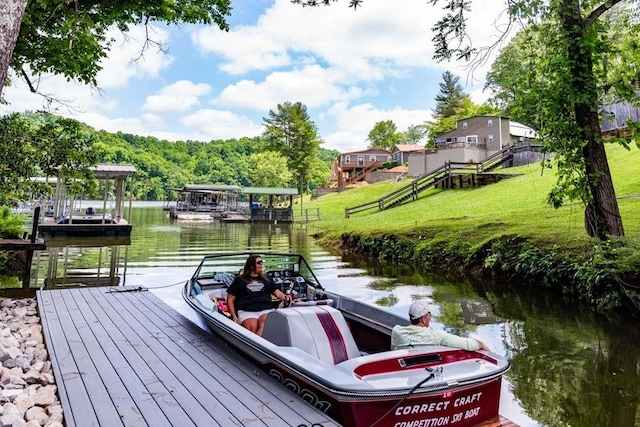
[(569, 367)]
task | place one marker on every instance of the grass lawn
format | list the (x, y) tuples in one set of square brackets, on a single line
[(511, 207), (515, 206)]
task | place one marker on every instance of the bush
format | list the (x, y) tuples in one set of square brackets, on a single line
[(11, 226)]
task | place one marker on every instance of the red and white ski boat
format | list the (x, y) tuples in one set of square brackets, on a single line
[(334, 352)]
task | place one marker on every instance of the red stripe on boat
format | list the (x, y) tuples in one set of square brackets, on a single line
[(337, 344)]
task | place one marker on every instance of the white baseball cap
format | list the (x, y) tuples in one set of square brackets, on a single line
[(419, 309)]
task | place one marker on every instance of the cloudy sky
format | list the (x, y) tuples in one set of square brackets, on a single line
[(350, 68)]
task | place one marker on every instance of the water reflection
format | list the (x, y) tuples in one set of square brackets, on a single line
[(569, 366), (80, 262)]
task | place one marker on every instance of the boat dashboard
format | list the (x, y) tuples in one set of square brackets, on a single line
[(290, 281)]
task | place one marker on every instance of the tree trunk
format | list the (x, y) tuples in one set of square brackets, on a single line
[(602, 216), (11, 12)]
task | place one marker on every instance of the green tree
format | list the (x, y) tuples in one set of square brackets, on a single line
[(42, 144), (450, 97), (384, 135), (290, 132), (414, 134), (269, 169), (578, 33), (69, 38)]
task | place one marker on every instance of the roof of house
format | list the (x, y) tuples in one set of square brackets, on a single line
[(367, 150), (518, 129), (408, 147)]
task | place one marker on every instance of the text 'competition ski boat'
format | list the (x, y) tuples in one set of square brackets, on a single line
[(334, 352)]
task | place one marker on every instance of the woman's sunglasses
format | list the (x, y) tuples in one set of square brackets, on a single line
[(259, 262)]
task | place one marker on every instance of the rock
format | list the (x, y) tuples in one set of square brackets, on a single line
[(37, 413), (46, 396), (28, 394)]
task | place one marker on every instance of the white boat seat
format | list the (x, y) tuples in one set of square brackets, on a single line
[(320, 331)]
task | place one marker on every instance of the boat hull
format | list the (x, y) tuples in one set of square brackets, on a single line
[(460, 406), (334, 352)]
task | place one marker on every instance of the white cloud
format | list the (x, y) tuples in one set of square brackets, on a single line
[(313, 86), (216, 124), (336, 61), (131, 58), (355, 122), (178, 97)]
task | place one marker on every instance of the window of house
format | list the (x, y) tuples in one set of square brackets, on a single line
[(490, 123), (490, 137), (347, 160), (372, 159), (465, 125), (472, 139), (361, 160), (461, 139)]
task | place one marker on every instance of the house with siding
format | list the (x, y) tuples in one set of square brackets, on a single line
[(401, 152), (473, 140), (354, 166)]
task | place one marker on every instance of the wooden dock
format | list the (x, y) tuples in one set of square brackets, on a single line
[(127, 358)]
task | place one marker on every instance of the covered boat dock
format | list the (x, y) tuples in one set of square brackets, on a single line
[(67, 220), (271, 204), (203, 201)]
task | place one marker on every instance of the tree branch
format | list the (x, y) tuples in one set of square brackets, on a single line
[(597, 12)]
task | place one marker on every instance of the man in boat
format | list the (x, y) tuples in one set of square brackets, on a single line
[(420, 333), (249, 296)]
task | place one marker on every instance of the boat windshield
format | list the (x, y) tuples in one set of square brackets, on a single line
[(286, 264)]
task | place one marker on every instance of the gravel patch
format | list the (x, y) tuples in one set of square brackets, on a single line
[(28, 392)]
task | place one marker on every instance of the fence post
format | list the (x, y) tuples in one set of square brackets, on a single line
[(34, 226)]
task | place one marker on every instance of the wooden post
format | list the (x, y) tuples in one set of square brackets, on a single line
[(34, 226)]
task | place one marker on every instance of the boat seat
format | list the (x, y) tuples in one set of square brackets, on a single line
[(320, 331)]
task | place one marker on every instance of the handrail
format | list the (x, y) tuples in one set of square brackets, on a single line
[(411, 187), (373, 166), (431, 179)]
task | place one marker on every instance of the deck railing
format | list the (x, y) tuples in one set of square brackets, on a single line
[(443, 175)]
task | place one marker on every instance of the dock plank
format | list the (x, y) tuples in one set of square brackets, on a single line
[(127, 358), (182, 327)]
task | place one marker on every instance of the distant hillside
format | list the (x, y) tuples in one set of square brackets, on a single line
[(162, 164)]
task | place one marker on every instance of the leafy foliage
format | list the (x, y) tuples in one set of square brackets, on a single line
[(70, 38), (450, 97), (42, 144), (384, 135), (290, 132), (414, 134), (269, 169), (11, 226)]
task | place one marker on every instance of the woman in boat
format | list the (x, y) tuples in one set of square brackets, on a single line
[(249, 296), (420, 333)]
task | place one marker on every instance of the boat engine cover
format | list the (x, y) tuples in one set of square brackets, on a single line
[(320, 331)]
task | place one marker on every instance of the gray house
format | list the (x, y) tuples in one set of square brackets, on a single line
[(401, 152), (355, 165), (473, 140)]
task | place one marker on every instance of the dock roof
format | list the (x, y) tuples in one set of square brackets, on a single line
[(103, 171), (203, 188), (276, 191)]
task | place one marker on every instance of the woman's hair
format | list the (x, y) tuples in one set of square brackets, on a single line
[(250, 267)]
